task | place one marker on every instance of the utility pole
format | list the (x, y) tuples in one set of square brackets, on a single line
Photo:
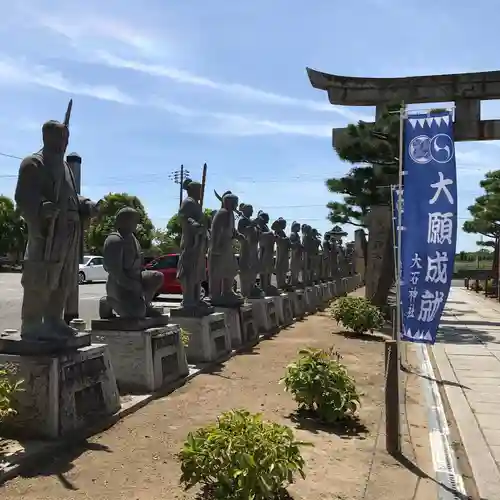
[(71, 308), (178, 177)]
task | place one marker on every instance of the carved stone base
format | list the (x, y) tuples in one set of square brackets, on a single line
[(318, 295), (144, 361), (310, 300), (11, 342), (233, 325), (129, 324), (200, 311), (284, 311), (62, 393), (265, 316), (209, 339), (298, 303), (332, 289), (249, 331), (325, 293)]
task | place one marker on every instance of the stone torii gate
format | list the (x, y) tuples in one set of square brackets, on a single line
[(466, 90)]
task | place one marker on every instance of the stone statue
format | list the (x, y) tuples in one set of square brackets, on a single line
[(295, 255), (266, 254), (315, 255), (222, 263), (55, 214), (307, 243), (249, 253), (282, 253), (349, 255), (326, 271), (129, 289), (334, 258), (191, 269)]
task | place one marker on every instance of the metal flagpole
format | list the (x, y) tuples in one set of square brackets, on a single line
[(402, 115)]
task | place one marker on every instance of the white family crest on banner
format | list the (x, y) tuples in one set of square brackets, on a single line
[(427, 228)]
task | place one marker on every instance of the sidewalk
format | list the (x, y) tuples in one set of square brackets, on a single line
[(467, 355)]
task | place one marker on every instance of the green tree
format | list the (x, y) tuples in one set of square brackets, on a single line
[(13, 231), (163, 243), (485, 213), (103, 225), (374, 149)]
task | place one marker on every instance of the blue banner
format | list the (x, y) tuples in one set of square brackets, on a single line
[(430, 223)]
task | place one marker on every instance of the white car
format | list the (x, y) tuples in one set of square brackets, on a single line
[(92, 269)]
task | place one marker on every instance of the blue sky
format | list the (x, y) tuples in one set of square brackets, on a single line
[(156, 84)]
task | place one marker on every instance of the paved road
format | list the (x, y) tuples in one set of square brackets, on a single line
[(11, 294)]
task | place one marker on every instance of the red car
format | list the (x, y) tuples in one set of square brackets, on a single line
[(167, 265)]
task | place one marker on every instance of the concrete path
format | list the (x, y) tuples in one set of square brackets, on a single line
[(467, 354)]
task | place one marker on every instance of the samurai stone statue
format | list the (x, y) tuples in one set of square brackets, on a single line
[(222, 263), (55, 214), (191, 269), (326, 272), (308, 244), (129, 289), (315, 255), (266, 254), (295, 254), (249, 253), (282, 253)]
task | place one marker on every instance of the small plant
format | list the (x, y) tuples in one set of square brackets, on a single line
[(242, 457), (357, 314), (7, 389), (184, 337), (321, 385)]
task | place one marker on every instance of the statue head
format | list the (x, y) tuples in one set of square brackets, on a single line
[(263, 216), (326, 237), (127, 219), (55, 136), (315, 233), (306, 229), (228, 200), (192, 188), (246, 210), (295, 227)]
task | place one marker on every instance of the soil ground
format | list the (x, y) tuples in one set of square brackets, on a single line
[(136, 458)]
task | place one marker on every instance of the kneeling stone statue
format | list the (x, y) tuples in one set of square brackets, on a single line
[(129, 289)]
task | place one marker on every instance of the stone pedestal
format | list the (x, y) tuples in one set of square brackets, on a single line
[(64, 390), (318, 295), (332, 286), (265, 315), (298, 303), (249, 330), (284, 309), (310, 300), (209, 339), (233, 324), (325, 292), (146, 360)]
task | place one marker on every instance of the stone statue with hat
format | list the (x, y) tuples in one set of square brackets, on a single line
[(129, 289), (282, 253), (267, 239), (55, 215), (296, 255), (222, 263)]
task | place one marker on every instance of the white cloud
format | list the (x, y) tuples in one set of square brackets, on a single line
[(235, 89), (19, 73)]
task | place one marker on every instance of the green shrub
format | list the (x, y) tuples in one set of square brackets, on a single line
[(320, 384), (357, 314), (7, 389), (242, 457), (184, 337)]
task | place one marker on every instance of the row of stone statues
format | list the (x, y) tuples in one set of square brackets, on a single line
[(56, 216), (302, 254)]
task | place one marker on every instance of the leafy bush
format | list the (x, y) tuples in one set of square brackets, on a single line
[(320, 384), (357, 314), (241, 456), (7, 389), (184, 337)]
